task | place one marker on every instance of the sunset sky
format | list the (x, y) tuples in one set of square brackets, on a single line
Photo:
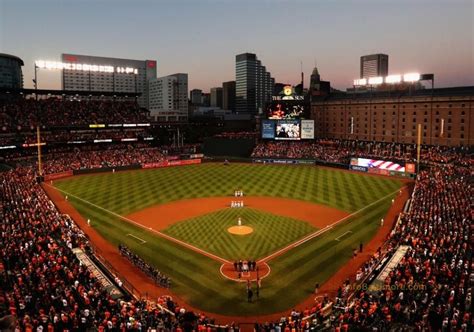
[(202, 37)]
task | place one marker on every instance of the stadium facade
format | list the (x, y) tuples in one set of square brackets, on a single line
[(119, 80), (446, 116)]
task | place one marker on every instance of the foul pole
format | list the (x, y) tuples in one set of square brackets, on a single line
[(418, 149), (38, 143)]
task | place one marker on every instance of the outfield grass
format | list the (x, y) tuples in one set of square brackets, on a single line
[(270, 233), (195, 277), (127, 192)]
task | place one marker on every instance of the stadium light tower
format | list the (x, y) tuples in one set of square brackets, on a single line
[(35, 81)]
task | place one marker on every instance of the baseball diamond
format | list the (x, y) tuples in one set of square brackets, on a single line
[(179, 219)]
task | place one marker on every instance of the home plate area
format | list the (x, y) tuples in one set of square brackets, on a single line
[(232, 272)]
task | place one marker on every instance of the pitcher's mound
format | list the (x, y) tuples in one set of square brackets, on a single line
[(240, 230)]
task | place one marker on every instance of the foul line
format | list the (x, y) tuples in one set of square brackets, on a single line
[(337, 238), (136, 237), (163, 235), (323, 230)]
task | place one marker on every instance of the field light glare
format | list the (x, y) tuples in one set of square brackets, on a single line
[(376, 80), (393, 79), (411, 77)]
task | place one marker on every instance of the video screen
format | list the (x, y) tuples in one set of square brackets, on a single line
[(268, 129), (288, 130), (281, 109), (379, 164)]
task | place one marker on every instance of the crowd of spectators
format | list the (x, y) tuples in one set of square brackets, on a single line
[(312, 318), (432, 287), (237, 134), (301, 150), (65, 136), (26, 114), (44, 286), (155, 274), (114, 156), (340, 151)]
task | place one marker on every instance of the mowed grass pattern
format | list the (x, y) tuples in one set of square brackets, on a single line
[(126, 192), (270, 232), (196, 278)]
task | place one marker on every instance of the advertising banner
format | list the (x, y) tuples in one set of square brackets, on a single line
[(307, 129), (378, 164), (169, 163), (358, 168), (268, 129), (410, 168)]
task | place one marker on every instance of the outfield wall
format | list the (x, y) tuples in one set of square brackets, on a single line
[(161, 164)]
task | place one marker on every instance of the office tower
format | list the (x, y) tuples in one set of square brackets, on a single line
[(373, 65), (253, 84), (196, 96), (228, 95), (216, 97), (11, 75), (168, 98)]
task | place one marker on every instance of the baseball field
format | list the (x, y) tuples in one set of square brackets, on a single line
[(303, 223)]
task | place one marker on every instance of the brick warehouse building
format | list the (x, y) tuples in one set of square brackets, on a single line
[(446, 116)]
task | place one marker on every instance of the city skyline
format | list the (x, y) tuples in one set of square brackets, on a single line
[(202, 38)]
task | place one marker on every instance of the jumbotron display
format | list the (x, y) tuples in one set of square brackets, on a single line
[(288, 105), (288, 129), (286, 109)]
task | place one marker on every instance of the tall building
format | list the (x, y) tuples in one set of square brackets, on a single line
[(228, 95), (118, 75), (11, 75), (216, 97), (373, 65), (196, 96), (318, 87), (168, 98), (253, 84), (206, 99)]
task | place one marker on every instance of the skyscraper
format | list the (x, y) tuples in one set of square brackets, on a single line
[(373, 65), (228, 95), (11, 75), (168, 97), (253, 86), (196, 96), (216, 97)]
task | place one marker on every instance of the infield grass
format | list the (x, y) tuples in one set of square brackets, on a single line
[(270, 232), (196, 278)]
